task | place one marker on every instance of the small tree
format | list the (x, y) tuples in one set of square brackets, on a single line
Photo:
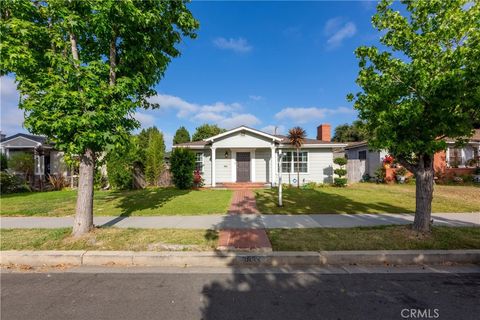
[(206, 131), (421, 86), (296, 136), (340, 172), (182, 166), (22, 162), (121, 162), (154, 157), (181, 136)]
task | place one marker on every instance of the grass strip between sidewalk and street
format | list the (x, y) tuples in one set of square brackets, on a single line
[(374, 238), (109, 239)]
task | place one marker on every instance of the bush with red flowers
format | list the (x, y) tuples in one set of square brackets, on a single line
[(198, 181), (388, 160)]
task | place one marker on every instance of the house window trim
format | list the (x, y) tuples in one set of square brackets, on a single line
[(292, 163), (202, 161), (361, 151)]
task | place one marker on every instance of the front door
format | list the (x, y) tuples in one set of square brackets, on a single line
[(243, 166)]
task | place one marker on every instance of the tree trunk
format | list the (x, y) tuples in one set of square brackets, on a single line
[(83, 222), (424, 174)]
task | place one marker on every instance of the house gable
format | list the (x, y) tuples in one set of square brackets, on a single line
[(243, 139), (20, 142)]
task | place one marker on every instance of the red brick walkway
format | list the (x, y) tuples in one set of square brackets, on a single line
[(243, 202)]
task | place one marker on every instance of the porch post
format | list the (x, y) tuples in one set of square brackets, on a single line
[(273, 165), (213, 165)]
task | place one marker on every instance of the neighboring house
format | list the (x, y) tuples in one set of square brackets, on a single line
[(48, 161), (362, 161), (244, 154), (453, 161)]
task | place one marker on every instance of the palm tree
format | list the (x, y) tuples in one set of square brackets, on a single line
[(296, 136)]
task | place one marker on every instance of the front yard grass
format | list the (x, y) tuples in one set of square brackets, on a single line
[(109, 239), (366, 198), (147, 202), (373, 238)]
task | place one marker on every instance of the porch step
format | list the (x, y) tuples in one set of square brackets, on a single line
[(243, 185)]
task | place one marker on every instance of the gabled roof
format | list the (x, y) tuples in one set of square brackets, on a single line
[(474, 138), (192, 144), (308, 141), (243, 128), (34, 138)]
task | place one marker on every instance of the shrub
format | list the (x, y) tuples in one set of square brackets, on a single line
[(401, 171), (340, 161), (58, 182), (182, 165), (22, 162), (198, 181), (477, 170), (10, 183), (380, 174), (3, 162), (340, 182), (341, 172), (310, 185)]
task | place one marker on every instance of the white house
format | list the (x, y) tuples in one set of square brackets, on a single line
[(244, 154), (47, 160)]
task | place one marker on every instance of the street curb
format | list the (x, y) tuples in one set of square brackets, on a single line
[(238, 259)]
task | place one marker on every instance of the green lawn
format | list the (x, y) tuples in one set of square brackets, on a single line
[(148, 202), (373, 238), (366, 198), (109, 239)]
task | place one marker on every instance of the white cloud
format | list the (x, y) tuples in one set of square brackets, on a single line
[(239, 45), (304, 115), (338, 30), (146, 120), (226, 115), (272, 128), (236, 120), (11, 116), (255, 98)]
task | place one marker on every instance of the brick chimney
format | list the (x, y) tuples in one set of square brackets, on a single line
[(323, 132)]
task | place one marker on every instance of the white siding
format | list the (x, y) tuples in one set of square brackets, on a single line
[(262, 165), (320, 167), (223, 169), (245, 140)]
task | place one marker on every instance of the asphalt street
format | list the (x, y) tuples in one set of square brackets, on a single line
[(233, 294)]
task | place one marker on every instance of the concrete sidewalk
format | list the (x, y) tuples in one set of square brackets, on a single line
[(248, 221)]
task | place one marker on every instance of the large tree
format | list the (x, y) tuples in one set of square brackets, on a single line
[(350, 132), (84, 67), (181, 136), (423, 85), (206, 131)]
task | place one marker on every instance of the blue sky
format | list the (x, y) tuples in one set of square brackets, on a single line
[(262, 64)]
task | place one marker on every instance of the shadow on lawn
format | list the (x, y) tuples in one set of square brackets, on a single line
[(138, 200), (309, 201)]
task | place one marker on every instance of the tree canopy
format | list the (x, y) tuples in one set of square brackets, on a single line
[(206, 131), (422, 85), (84, 67), (350, 132), (181, 136)]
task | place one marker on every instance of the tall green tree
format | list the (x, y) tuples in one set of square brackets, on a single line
[(422, 86), (155, 153), (181, 136), (350, 132), (206, 131), (83, 68)]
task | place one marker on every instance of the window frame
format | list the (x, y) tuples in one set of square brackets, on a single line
[(292, 164), (362, 152), (201, 162)]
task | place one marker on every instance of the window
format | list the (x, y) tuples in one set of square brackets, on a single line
[(362, 155), (199, 161), (455, 157), (287, 163), (293, 162)]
